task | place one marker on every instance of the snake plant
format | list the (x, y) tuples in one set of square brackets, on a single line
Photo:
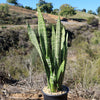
[(53, 51)]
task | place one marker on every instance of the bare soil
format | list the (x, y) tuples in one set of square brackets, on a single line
[(12, 92)]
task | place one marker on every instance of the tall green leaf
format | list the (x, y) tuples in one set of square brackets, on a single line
[(58, 43), (66, 45), (53, 45), (60, 70), (34, 40), (44, 42), (63, 38), (66, 48), (63, 44), (53, 41), (42, 33)]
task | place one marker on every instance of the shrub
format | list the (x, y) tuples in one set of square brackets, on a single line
[(55, 11), (91, 12), (93, 21), (27, 7), (96, 38), (18, 72), (4, 10), (83, 10), (3, 27), (85, 69)]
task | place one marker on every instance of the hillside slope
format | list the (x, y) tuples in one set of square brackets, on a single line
[(83, 15), (30, 13), (50, 18)]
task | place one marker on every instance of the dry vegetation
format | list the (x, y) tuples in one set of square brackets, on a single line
[(83, 15)]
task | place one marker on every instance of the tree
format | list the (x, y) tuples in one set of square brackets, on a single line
[(20, 5), (12, 1), (91, 12), (98, 10), (83, 10), (55, 11), (28, 7), (66, 9), (41, 2), (45, 7)]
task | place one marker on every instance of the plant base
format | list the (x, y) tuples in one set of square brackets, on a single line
[(62, 95)]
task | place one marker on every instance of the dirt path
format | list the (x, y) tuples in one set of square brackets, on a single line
[(15, 26)]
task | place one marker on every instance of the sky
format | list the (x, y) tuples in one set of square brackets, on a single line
[(78, 4)]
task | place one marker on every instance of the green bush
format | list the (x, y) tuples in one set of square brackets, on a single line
[(93, 21)]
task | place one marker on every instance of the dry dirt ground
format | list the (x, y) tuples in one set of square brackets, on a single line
[(9, 92)]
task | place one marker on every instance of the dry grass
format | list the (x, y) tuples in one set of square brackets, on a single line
[(83, 15), (21, 10)]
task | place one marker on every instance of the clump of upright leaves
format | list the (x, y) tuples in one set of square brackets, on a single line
[(52, 51)]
